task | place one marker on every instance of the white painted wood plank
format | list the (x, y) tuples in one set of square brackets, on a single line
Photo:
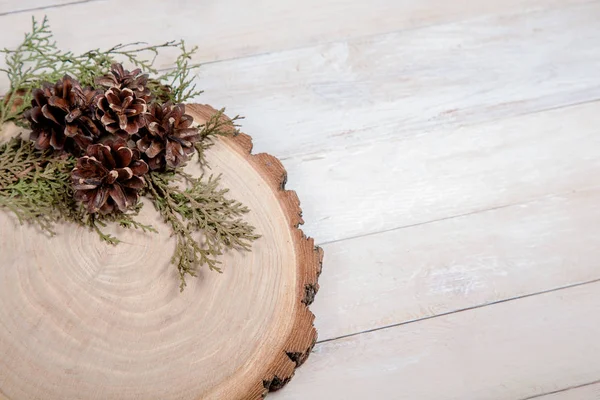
[(435, 175), (408, 83), (507, 351), (232, 28), (590, 392), (12, 6), (404, 83), (399, 84), (436, 268)]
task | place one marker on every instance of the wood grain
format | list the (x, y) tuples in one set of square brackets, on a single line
[(81, 319), (507, 351), (400, 84), (431, 269), (407, 84), (441, 174), (243, 28), (454, 135)]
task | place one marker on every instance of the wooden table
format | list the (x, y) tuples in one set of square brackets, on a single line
[(447, 155)]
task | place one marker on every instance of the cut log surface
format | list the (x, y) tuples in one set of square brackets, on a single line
[(80, 319)]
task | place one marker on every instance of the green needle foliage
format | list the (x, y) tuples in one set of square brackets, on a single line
[(178, 81), (36, 186), (203, 207), (217, 125), (38, 59)]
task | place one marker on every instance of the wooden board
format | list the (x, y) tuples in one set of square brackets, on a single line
[(447, 173), (341, 96), (459, 263), (81, 319), (237, 29), (508, 351), (343, 90), (585, 392)]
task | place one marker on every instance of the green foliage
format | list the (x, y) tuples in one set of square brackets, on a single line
[(38, 59), (217, 125), (200, 207), (36, 186), (180, 79)]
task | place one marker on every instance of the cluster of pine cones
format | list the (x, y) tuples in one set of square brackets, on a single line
[(118, 131)]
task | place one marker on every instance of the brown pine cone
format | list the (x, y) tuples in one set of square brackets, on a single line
[(122, 79), (63, 113), (163, 92), (168, 138), (121, 112), (109, 175)]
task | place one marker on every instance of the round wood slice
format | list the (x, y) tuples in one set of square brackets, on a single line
[(80, 319)]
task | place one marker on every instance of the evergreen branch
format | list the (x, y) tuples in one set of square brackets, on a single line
[(217, 125), (93, 222), (178, 83), (203, 207), (34, 184), (126, 221), (36, 187), (38, 59)]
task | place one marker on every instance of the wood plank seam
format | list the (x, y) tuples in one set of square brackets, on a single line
[(465, 124), (459, 263), (386, 33), (509, 352), (340, 40), (46, 7), (474, 212), (433, 182), (331, 78), (537, 396), (465, 309)]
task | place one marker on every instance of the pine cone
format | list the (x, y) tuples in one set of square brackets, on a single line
[(163, 92), (61, 112), (109, 175), (122, 79), (168, 138), (121, 112)]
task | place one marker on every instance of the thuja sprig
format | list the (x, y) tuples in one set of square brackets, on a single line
[(125, 220), (36, 186), (180, 80), (73, 183), (201, 206), (38, 59), (217, 124)]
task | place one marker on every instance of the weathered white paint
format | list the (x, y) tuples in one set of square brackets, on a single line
[(26, 6), (426, 270), (237, 28), (406, 84), (507, 351), (350, 192), (588, 392), (397, 113)]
